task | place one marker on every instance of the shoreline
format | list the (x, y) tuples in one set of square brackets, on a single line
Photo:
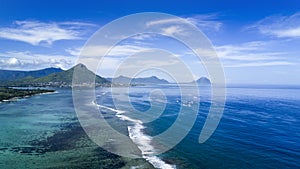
[(8, 94)]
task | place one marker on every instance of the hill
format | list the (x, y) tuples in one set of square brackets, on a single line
[(9, 75), (65, 78), (203, 81), (137, 81)]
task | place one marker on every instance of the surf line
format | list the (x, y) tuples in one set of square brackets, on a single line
[(142, 140)]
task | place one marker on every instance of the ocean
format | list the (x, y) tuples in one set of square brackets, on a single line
[(259, 129)]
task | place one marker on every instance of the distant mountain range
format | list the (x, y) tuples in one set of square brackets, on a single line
[(137, 81), (8, 75), (57, 77), (150, 80), (64, 78)]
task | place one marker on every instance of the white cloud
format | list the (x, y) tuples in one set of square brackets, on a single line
[(78, 24), (32, 61), (73, 51), (251, 51), (39, 33), (292, 32), (250, 54), (179, 26), (256, 64), (119, 50), (126, 50), (206, 22), (279, 26), (13, 61), (165, 21), (144, 36), (172, 30)]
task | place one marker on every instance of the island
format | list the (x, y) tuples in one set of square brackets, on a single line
[(9, 94)]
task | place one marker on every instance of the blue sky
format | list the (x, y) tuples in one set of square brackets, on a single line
[(257, 41)]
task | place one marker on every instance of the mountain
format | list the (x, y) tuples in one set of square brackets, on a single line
[(149, 80), (136, 81), (66, 77), (203, 81), (120, 80), (9, 75), (61, 79)]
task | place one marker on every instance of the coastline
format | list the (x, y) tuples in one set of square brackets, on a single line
[(8, 94)]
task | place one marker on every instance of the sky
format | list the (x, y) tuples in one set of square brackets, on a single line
[(256, 41)]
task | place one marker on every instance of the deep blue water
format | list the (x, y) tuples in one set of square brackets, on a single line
[(259, 129)]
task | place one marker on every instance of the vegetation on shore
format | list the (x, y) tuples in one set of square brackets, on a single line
[(7, 93)]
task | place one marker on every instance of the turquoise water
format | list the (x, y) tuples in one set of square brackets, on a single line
[(259, 129), (30, 119), (43, 132)]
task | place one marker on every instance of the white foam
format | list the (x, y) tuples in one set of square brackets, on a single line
[(142, 140), (109, 108), (158, 163), (144, 144)]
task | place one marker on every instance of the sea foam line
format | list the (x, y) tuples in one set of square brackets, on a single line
[(142, 140)]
